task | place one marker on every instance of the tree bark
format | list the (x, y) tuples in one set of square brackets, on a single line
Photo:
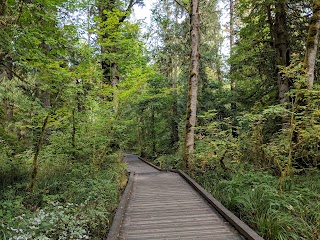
[(73, 134), (174, 120), (232, 83), (193, 82), (312, 44), (36, 155), (281, 41), (105, 64), (142, 135), (110, 67), (153, 132)]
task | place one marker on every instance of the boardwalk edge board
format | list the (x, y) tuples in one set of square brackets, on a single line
[(243, 228), (151, 164), (117, 220)]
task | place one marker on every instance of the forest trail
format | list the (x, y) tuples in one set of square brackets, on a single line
[(164, 206)]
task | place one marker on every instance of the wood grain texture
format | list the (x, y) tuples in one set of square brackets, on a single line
[(164, 206)]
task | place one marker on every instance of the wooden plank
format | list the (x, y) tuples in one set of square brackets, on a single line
[(243, 228), (152, 212), (163, 205)]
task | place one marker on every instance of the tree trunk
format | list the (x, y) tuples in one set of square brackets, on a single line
[(193, 82), (153, 132), (115, 82), (231, 9), (36, 155), (232, 83), (142, 136), (39, 146), (106, 65), (73, 134), (312, 44), (281, 44), (174, 120), (109, 67)]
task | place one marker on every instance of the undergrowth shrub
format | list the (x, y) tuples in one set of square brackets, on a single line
[(254, 197), (168, 162), (12, 168), (73, 201)]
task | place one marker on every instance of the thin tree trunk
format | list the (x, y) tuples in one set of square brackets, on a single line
[(153, 133), (232, 83), (231, 9), (312, 44), (39, 146), (142, 138), (193, 82), (115, 82), (73, 134), (36, 155), (174, 120)]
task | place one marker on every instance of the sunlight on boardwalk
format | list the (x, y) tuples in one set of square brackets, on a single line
[(164, 206)]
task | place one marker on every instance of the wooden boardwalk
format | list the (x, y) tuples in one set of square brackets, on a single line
[(164, 206)]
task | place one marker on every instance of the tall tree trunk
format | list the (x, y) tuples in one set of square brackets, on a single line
[(109, 67), (106, 65), (174, 120), (73, 134), (193, 82), (278, 28), (312, 44), (232, 83), (231, 33)]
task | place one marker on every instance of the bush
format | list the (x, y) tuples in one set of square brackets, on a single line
[(75, 202), (254, 197)]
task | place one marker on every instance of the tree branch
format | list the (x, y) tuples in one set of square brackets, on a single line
[(182, 6), (131, 4)]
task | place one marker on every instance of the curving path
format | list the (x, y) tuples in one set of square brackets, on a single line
[(164, 206)]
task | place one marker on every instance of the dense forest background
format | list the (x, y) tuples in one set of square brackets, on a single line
[(83, 82)]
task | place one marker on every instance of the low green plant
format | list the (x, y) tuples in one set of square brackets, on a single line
[(255, 198), (168, 162), (73, 201)]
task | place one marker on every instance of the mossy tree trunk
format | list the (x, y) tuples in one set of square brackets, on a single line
[(312, 44), (106, 65), (109, 66), (193, 82), (279, 35)]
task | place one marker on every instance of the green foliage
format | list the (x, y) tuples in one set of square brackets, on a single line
[(168, 162), (254, 197), (75, 202)]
